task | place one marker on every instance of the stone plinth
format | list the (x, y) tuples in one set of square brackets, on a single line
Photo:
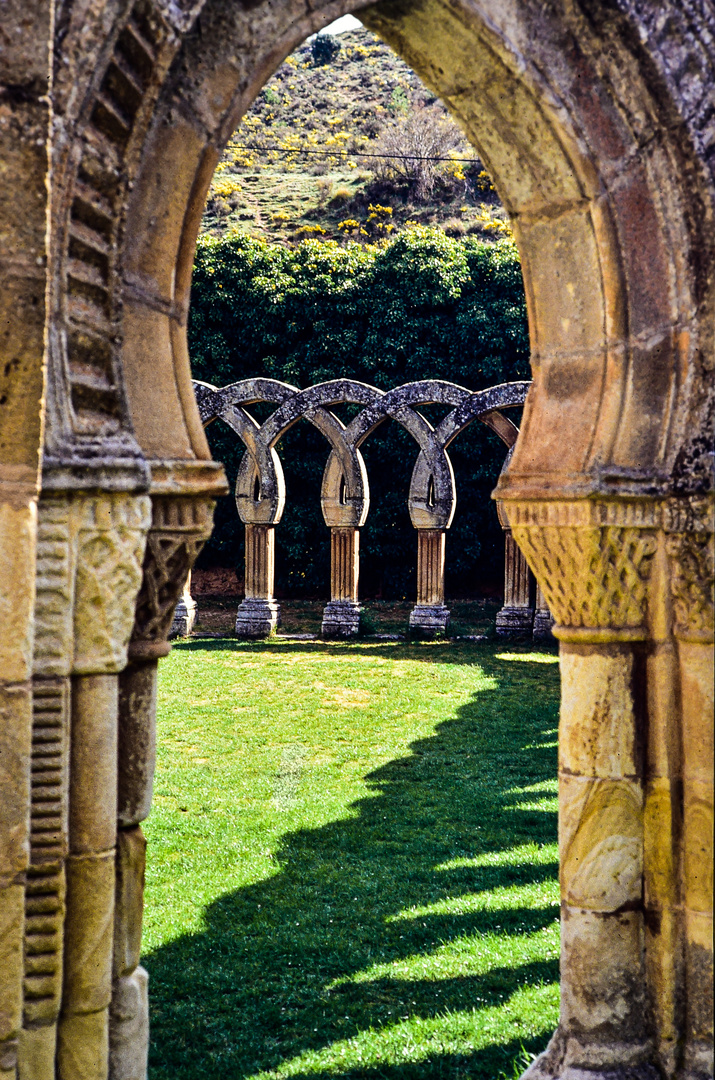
[(429, 616), (517, 615), (257, 617), (429, 619), (341, 617)]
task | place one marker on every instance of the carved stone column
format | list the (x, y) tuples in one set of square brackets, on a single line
[(543, 619), (689, 544), (258, 613), (341, 617), (517, 615), (184, 613), (593, 561), (180, 526), (429, 616), (90, 548)]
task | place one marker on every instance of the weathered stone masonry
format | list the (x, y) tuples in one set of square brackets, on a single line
[(597, 122)]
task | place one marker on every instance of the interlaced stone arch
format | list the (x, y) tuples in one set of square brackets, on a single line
[(594, 119), (345, 496)]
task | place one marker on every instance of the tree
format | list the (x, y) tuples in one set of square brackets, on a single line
[(420, 306), (415, 142), (324, 48)]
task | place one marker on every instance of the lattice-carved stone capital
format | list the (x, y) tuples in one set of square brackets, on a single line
[(690, 545), (592, 561), (180, 526)]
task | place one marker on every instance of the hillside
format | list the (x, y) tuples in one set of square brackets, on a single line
[(328, 150)]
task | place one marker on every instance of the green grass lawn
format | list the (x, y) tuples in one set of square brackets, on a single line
[(352, 860)]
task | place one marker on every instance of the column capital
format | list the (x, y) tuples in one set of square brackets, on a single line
[(592, 559), (180, 526), (688, 525)]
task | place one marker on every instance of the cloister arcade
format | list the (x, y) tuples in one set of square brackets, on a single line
[(345, 495), (595, 119)]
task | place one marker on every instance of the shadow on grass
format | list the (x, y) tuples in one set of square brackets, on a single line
[(276, 971)]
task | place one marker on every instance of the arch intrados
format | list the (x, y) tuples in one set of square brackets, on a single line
[(568, 174)]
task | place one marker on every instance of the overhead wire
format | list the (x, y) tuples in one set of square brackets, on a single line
[(354, 153)]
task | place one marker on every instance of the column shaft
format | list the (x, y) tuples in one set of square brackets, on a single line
[(517, 615), (260, 561), (83, 1032), (430, 616), (603, 1014), (543, 619), (341, 617), (258, 613), (696, 681)]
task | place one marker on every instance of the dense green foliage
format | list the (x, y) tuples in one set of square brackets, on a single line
[(353, 869), (423, 305), (324, 47)]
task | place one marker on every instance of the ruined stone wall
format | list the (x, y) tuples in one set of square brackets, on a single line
[(596, 120)]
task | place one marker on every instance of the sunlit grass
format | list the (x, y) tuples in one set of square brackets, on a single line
[(352, 863)]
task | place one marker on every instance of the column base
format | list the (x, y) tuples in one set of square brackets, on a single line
[(543, 624), (341, 619), (565, 1058), (514, 621), (257, 618), (184, 618), (428, 620)]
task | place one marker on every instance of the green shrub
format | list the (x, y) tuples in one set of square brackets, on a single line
[(324, 48), (423, 305)]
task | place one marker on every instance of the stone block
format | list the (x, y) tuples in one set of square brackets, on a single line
[(129, 1027), (597, 731), (257, 618), (170, 438), (428, 620), (696, 683), (515, 622), (93, 763), (698, 846), (600, 843), (83, 1046), (129, 901), (543, 625), (36, 1053), (699, 976), (12, 925), (341, 619), (643, 253), (15, 760), (156, 211), (136, 742), (89, 927), (18, 534), (602, 987)]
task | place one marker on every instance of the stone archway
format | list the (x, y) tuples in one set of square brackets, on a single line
[(595, 121)]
